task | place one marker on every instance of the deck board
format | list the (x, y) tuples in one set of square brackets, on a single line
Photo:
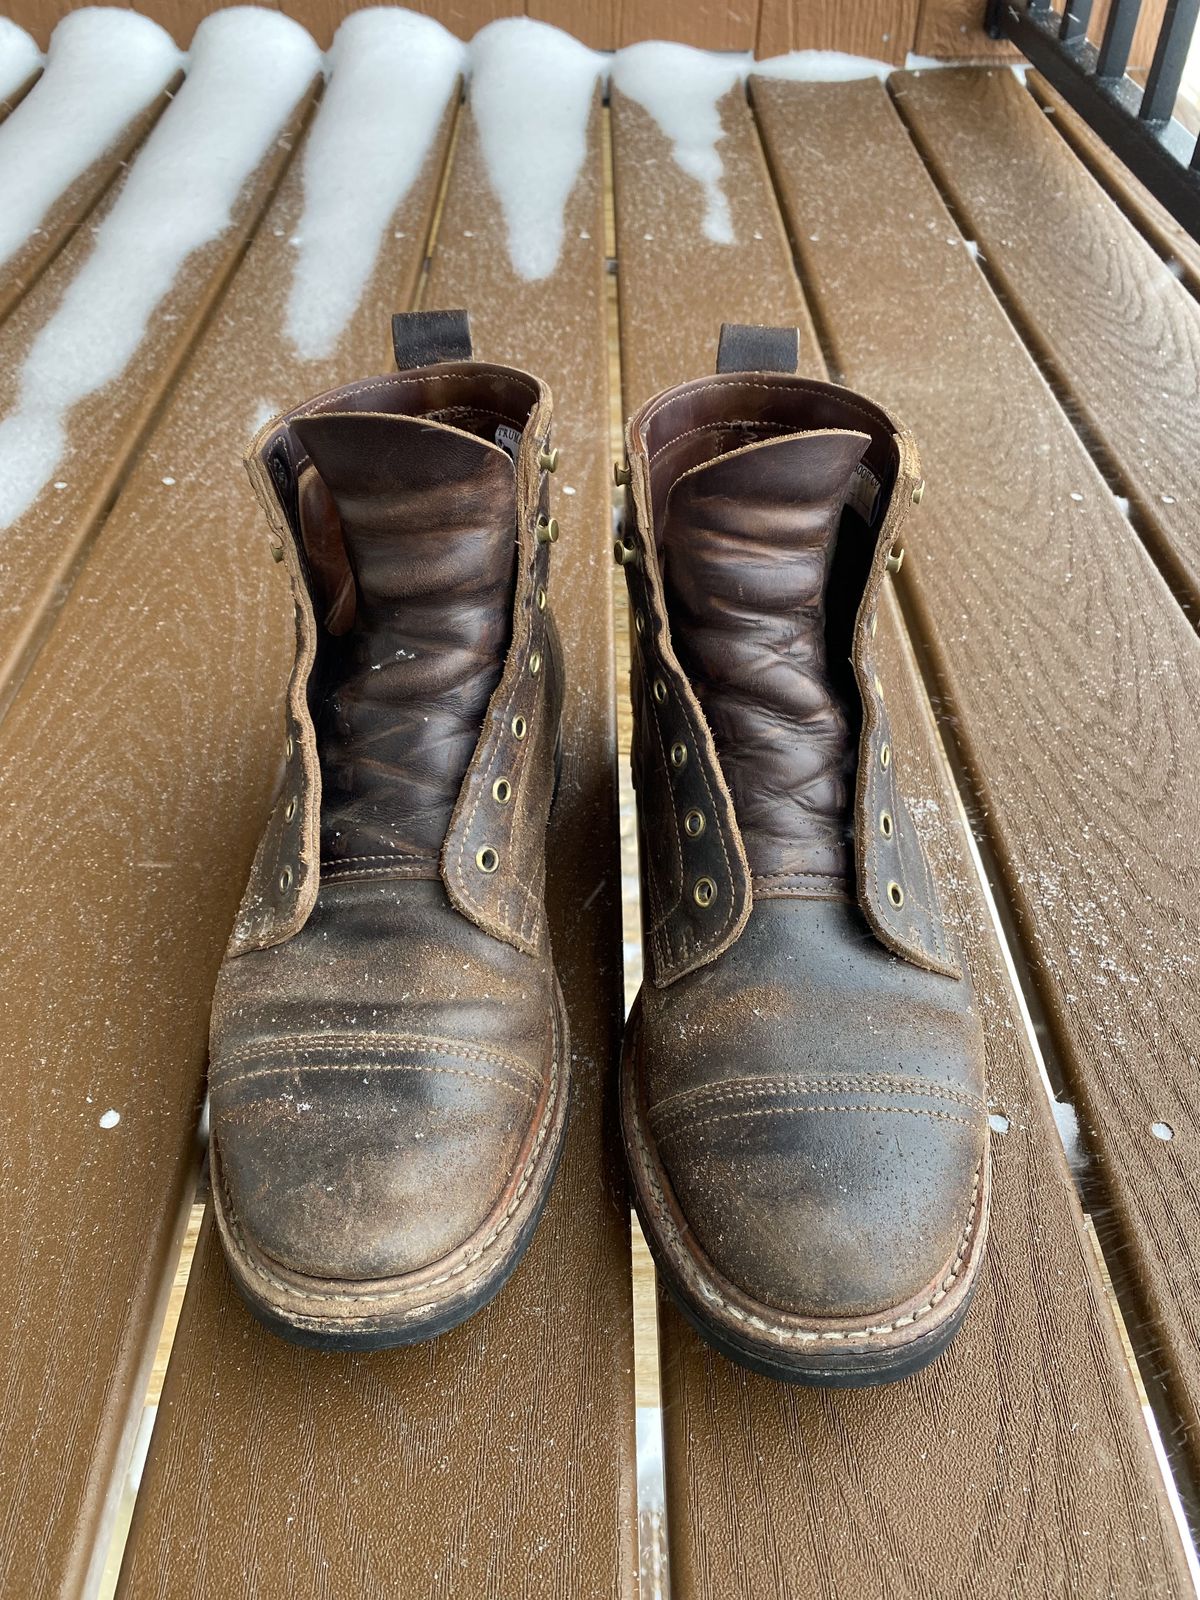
[(136, 765), (1107, 317), (499, 1460), (1171, 241), (967, 1480), (1071, 678), (41, 550), (21, 271)]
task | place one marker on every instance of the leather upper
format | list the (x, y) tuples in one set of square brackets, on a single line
[(387, 1032), (808, 1060), (702, 424)]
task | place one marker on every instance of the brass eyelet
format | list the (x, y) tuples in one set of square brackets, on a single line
[(704, 892), (548, 459), (519, 727), (289, 810), (918, 493), (535, 662), (639, 623), (895, 894), (547, 530), (621, 473), (679, 754), (874, 623), (694, 824), (885, 824), (660, 690), (885, 756), (285, 880), (895, 560), (487, 859), (625, 553), (289, 747), (502, 791), (541, 598)]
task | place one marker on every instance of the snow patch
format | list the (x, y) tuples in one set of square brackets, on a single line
[(823, 66), (110, 1118), (105, 66), (682, 88), (392, 74), (19, 57), (247, 70), (531, 93)]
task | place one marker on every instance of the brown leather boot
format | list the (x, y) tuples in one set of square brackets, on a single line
[(389, 1064), (803, 1091)]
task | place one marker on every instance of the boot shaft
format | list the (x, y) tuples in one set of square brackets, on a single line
[(423, 708), (763, 518)]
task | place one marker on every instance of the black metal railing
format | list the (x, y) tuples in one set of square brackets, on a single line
[(1138, 123)]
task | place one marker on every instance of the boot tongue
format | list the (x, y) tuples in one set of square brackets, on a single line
[(747, 547), (428, 519)]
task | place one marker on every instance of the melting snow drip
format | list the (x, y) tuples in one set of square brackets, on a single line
[(531, 93), (105, 66), (681, 89), (247, 70), (392, 74), (19, 57)]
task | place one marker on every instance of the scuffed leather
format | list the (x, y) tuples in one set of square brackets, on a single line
[(387, 1033), (819, 1109), (807, 1061)]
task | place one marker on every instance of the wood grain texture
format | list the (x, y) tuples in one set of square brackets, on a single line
[(1116, 323), (41, 549), (952, 28), (22, 269), (595, 22), (498, 1461), (1152, 219), (1071, 676), (136, 766), (707, 24), (968, 1480), (883, 29)]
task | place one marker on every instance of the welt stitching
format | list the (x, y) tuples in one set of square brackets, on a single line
[(790, 1111), (882, 1082), (305, 1044), (253, 1073)]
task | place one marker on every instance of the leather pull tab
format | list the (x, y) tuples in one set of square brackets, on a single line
[(745, 347), (421, 338)]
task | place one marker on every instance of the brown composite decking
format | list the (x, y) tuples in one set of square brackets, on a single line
[(143, 637)]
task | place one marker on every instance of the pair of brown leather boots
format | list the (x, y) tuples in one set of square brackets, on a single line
[(802, 1093)]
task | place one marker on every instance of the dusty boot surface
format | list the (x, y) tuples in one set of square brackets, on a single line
[(803, 1095), (389, 1057)]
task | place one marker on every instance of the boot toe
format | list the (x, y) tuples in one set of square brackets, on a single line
[(825, 1211), (352, 1172)]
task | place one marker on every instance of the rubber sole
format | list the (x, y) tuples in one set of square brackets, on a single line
[(839, 1354), (381, 1314)]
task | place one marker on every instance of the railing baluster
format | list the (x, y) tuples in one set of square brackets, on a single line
[(1170, 54), (1118, 38), (1076, 16)]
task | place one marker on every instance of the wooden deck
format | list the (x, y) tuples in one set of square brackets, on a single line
[(950, 242)]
